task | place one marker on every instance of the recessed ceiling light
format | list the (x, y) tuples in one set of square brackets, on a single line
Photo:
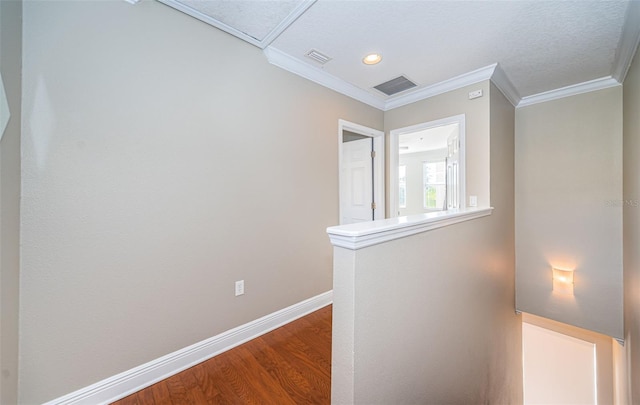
[(372, 59)]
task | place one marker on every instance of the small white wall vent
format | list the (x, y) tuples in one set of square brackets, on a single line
[(395, 86), (318, 56)]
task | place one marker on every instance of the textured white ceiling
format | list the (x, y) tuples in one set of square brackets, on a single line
[(539, 45), (426, 139), (253, 17), (258, 22)]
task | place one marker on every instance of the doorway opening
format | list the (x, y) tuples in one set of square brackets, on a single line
[(361, 173), (564, 364), (427, 167)]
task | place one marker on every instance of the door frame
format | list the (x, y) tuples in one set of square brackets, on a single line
[(394, 157), (378, 165)]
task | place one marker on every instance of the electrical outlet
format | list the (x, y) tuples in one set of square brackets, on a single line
[(239, 287), (473, 201)]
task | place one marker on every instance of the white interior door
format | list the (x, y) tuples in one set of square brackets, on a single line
[(356, 194), (361, 173)]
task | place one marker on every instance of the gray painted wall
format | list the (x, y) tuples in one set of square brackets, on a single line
[(162, 160), (631, 215), (10, 66), (568, 211), (430, 318), (138, 212)]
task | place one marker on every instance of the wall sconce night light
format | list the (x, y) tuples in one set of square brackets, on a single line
[(563, 281)]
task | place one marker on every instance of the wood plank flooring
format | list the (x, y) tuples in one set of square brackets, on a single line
[(289, 365)]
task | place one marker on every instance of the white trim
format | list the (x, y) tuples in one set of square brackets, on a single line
[(260, 43), (289, 63), (378, 163), (502, 82), (457, 82), (365, 234), (628, 42), (574, 89), (130, 381), (394, 152), (492, 72)]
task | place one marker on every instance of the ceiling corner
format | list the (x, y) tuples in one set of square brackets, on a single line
[(455, 83), (502, 82), (262, 43), (302, 7), (629, 41)]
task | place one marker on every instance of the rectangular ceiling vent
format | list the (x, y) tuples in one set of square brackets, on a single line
[(395, 86), (318, 56)]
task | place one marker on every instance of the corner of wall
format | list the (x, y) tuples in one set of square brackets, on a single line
[(10, 66), (631, 232), (502, 183), (562, 148)]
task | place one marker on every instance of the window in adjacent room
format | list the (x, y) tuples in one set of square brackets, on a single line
[(426, 167), (434, 184)]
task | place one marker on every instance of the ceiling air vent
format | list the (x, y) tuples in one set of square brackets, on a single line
[(395, 86), (317, 56)]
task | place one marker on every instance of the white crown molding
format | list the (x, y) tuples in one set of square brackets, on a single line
[(287, 62), (457, 82), (260, 43), (364, 234), (128, 382), (502, 82), (628, 42), (492, 72), (574, 89)]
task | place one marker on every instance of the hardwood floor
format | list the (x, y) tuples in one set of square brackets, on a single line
[(289, 365)]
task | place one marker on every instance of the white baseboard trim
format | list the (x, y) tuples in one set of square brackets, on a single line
[(130, 381)]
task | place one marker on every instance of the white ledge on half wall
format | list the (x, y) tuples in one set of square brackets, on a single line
[(363, 234)]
